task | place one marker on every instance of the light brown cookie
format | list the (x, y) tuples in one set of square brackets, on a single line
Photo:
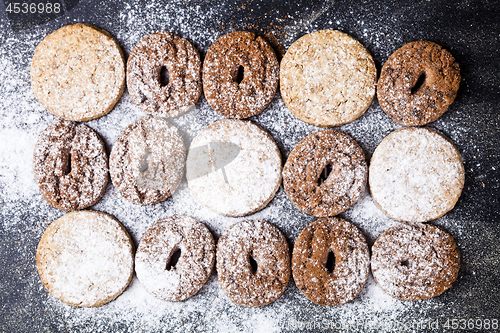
[(233, 167), (85, 258), (327, 78), (78, 72), (70, 165), (147, 161), (164, 75), (175, 258), (308, 164), (240, 74), (418, 83), (416, 175), (325, 244), (416, 261), (253, 263)]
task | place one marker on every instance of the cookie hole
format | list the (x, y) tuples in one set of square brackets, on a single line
[(67, 167), (144, 162), (330, 262), (253, 263), (419, 83), (240, 73), (325, 173), (164, 76), (173, 259), (405, 263)]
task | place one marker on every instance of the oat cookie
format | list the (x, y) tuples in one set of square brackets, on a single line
[(253, 263), (233, 167), (416, 175), (151, 88), (175, 258), (85, 258), (147, 161), (415, 261), (304, 172), (78, 72), (240, 74), (70, 165), (418, 83), (327, 78), (330, 239)]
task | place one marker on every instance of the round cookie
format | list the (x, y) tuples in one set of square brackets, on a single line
[(253, 263), (70, 165), (233, 167), (147, 63), (85, 258), (327, 78), (240, 74), (175, 258), (147, 161), (416, 175), (78, 72), (307, 163), (418, 83), (312, 251), (417, 261)]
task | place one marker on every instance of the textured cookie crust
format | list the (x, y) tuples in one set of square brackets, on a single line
[(78, 72), (345, 183), (327, 78), (265, 244), (220, 74), (416, 175), (418, 83), (147, 161), (154, 258), (85, 258), (70, 165), (182, 61), (310, 255), (253, 177), (417, 261)]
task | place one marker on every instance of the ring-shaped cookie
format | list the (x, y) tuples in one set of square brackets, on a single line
[(70, 165), (314, 248), (417, 261), (253, 263), (313, 156), (240, 74), (417, 83), (175, 258), (164, 75)]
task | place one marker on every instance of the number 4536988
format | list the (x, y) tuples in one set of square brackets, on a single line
[(470, 324), (33, 8)]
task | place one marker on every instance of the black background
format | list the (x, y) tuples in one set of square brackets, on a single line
[(468, 29)]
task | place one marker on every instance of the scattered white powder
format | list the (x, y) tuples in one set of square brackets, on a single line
[(22, 119)]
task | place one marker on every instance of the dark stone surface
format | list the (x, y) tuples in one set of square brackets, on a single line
[(470, 30)]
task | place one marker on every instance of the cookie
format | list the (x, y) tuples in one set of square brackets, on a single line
[(78, 72), (325, 173), (85, 258), (70, 165), (416, 175), (147, 161), (175, 258), (327, 78), (253, 263), (164, 75), (418, 83), (240, 74), (330, 261), (233, 167), (418, 261)]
